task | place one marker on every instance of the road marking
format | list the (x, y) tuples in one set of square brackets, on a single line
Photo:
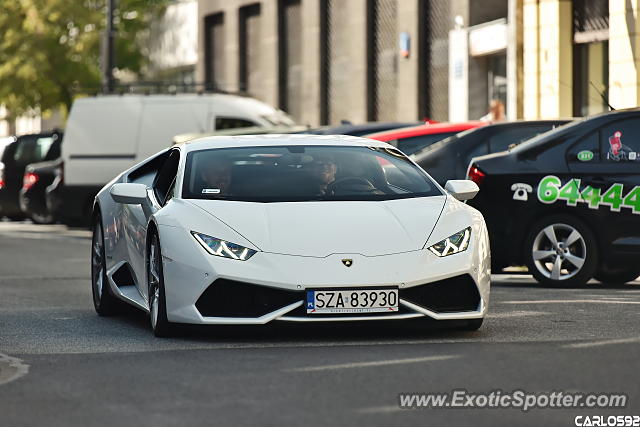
[(371, 364), (511, 314), (11, 368), (603, 342), (570, 301)]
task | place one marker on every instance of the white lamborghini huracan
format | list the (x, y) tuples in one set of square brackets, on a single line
[(302, 228)]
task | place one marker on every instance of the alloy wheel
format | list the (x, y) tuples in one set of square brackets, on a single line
[(97, 262), (154, 283), (559, 251)]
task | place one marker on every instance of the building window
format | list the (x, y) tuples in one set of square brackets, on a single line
[(214, 51), (250, 38)]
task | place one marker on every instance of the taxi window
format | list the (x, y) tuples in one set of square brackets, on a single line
[(513, 136), (414, 144), (620, 142), (585, 150)]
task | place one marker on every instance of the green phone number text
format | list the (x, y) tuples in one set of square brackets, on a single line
[(551, 190)]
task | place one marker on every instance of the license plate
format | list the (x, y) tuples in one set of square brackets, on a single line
[(352, 301)]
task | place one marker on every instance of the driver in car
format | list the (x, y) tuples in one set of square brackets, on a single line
[(323, 170), (216, 176)]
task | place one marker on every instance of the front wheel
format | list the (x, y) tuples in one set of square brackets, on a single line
[(103, 300), (160, 326), (561, 251)]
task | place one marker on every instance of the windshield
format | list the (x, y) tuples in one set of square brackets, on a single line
[(542, 139), (32, 149), (303, 173), (429, 148), (416, 144)]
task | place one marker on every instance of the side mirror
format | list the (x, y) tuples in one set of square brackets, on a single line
[(129, 193), (462, 189)]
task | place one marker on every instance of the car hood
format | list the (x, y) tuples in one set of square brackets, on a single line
[(319, 229)]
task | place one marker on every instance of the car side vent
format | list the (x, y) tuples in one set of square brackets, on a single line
[(123, 276)]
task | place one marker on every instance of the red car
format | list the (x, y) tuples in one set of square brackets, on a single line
[(413, 139)]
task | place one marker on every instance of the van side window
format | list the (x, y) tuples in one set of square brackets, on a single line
[(232, 123)]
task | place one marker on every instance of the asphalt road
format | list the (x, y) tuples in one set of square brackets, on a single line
[(61, 364)]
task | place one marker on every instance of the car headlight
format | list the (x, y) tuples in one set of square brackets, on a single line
[(453, 244), (223, 248)]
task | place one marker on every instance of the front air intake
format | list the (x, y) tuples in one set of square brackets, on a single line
[(228, 298), (455, 294)]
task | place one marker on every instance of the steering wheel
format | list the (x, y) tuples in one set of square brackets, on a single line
[(350, 181)]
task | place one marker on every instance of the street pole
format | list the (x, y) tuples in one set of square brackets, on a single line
[(108, 55)]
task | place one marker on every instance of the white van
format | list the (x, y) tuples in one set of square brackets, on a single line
[(108, 134)]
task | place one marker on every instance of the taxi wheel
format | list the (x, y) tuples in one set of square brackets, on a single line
[(616, 275), (561, 251)]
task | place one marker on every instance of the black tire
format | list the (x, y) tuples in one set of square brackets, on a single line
[(16, 217), (103, 300), (160, 325), (473, 324), (616, 275), (570, 261), (37, 218)]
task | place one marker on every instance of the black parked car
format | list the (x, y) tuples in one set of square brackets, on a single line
[(361, 129), (37, 177), (449, 158), (26, 149), (567, 203)]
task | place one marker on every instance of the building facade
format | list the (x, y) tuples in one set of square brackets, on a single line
[(327, 61), (580, 57)]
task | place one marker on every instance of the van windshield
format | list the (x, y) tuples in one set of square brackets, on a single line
[(304, 173)]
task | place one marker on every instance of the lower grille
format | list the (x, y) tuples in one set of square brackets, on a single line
[(228, 298), (455, 294)]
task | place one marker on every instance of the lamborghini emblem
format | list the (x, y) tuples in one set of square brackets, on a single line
[(347, 262)]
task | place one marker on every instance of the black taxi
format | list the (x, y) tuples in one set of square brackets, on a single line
[(566, 203)]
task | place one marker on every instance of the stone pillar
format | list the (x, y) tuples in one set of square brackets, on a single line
[(358, 97), (270, 52), (624, 53), (231, 49), (548, 66), (311, 66), (514, 61)]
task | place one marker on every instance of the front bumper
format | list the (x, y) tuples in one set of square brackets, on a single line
[(194, 282)]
